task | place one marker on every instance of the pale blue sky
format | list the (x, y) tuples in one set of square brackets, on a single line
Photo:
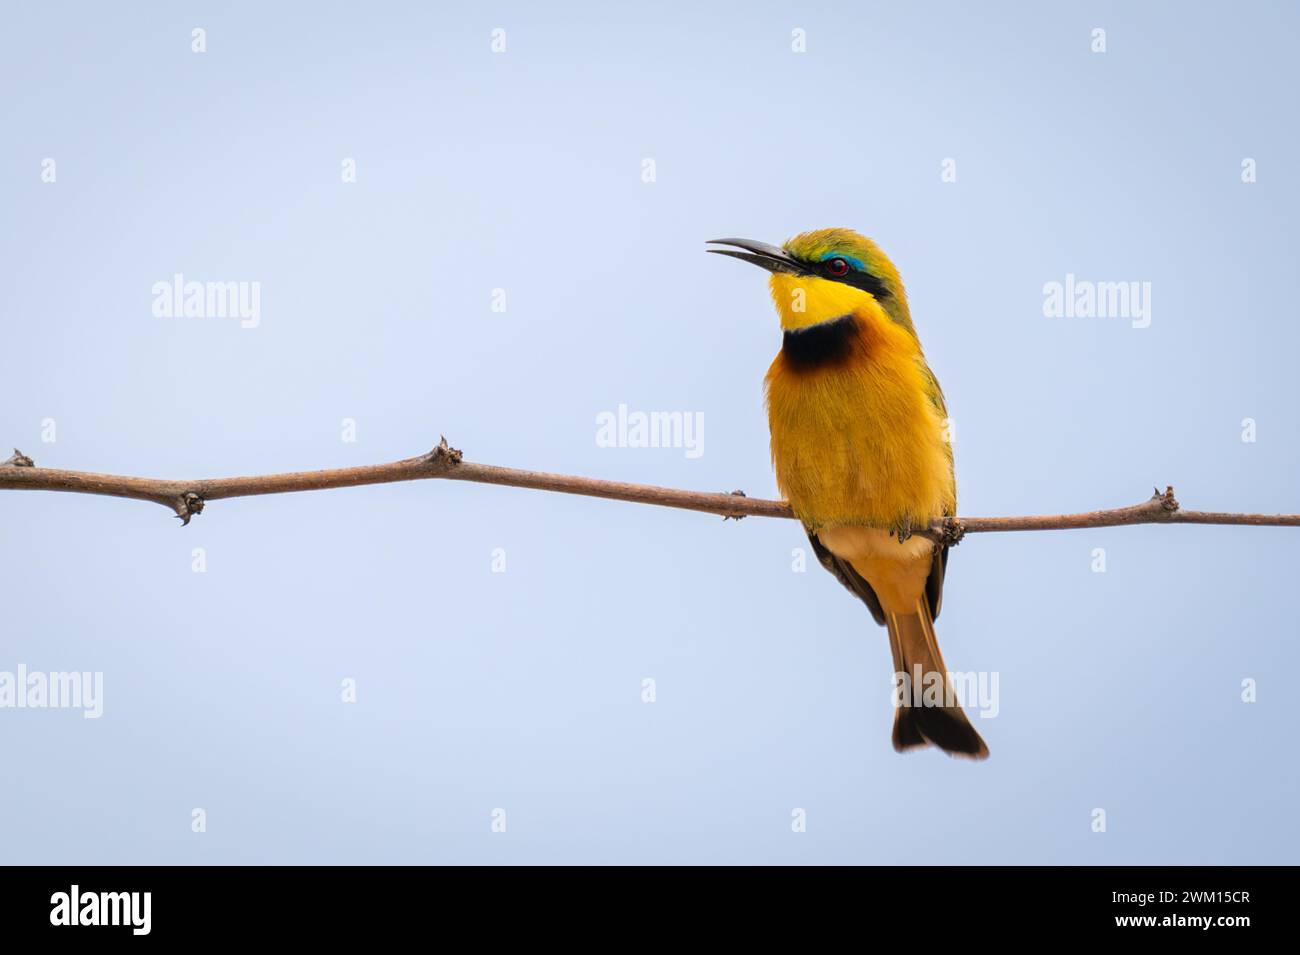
[(522, 690)]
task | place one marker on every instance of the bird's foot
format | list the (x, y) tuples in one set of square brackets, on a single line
[(952, 533)]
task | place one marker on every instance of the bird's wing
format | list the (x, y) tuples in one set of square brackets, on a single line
[(934, 583), (849, 577), (935, 394)]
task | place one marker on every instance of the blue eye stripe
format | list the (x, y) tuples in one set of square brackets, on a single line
[(856, 263)]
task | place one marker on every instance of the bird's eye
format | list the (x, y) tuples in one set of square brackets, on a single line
[(837, 267)]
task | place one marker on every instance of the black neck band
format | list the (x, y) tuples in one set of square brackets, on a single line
[(819, 345)]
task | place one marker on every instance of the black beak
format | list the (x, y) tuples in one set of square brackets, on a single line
[(761, 254)]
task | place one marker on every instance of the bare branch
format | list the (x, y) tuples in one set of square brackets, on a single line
[(187, 498)]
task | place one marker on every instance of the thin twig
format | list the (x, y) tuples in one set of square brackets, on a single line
[(186, 498)]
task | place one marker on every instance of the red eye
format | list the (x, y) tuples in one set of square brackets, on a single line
[(837, 266)]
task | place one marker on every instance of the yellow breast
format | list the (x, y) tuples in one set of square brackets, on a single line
[(860, 441)]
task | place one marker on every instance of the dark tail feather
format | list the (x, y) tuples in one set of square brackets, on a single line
[(911, 637)]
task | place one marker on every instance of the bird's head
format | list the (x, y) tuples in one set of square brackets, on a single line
[(824, 275)]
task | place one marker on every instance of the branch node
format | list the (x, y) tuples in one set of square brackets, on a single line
[(735, 517), (1167, 500), (187, 505), (444, 457), (19, 460)]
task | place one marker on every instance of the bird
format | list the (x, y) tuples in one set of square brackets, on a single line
[(861, 451)]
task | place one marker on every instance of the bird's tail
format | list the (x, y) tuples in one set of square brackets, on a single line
[(929, 711)]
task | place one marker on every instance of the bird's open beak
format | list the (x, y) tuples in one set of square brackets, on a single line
[(761, 254)]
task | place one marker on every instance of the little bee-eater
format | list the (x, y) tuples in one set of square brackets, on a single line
[(861, 452)]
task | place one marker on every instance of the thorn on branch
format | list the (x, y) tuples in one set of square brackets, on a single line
[(187, 505), (735, 517), (19, 460), (1167, 499), (444, 457)]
